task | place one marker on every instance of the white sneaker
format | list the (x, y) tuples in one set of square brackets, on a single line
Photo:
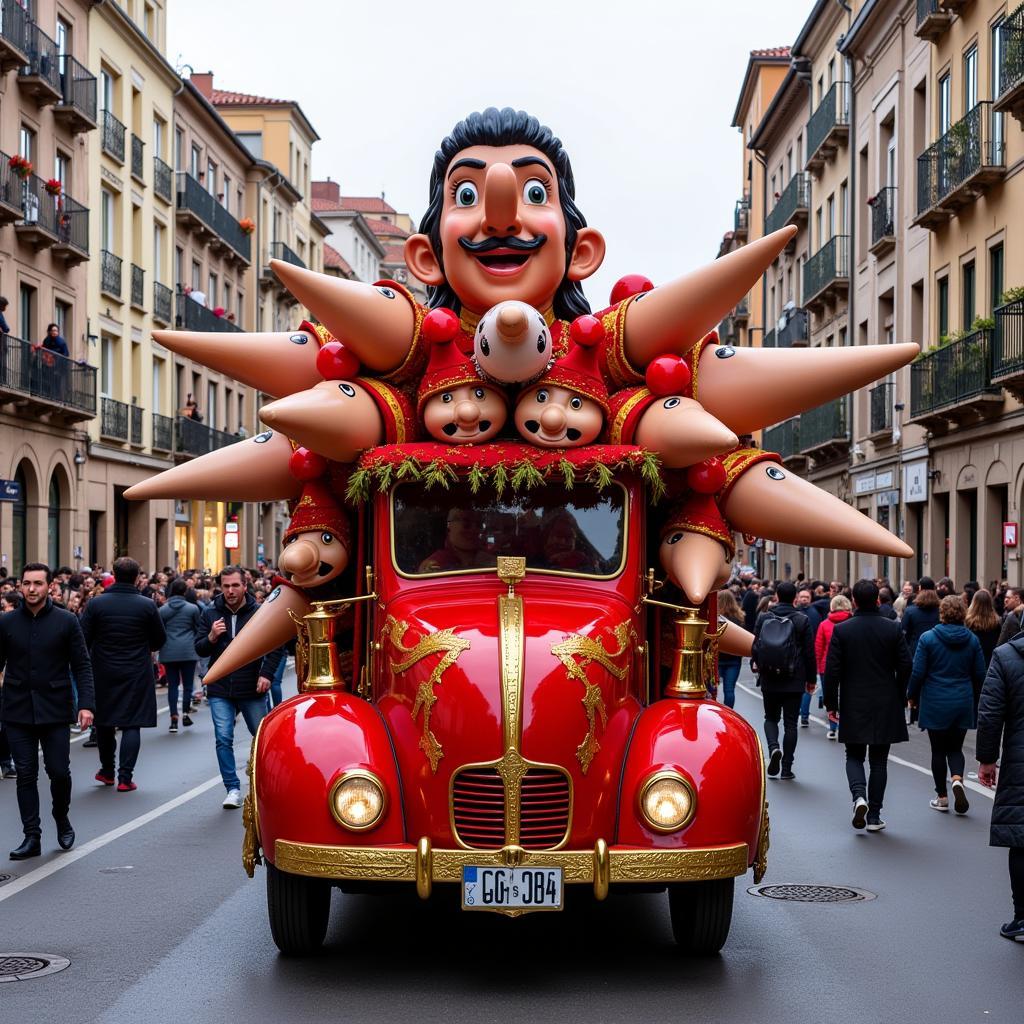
[(233, 799), (833, 734), (860, 812)]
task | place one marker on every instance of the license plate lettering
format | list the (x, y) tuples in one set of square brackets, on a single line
[(494, 888)]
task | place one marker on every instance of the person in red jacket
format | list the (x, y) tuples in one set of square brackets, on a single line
[(840, 611)]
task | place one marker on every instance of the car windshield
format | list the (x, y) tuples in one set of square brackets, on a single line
[(579, 531)]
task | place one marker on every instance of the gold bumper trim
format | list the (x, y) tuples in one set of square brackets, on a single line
[(599, 867)]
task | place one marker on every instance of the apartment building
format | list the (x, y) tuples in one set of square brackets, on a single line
[(350, 232), (47, 402)]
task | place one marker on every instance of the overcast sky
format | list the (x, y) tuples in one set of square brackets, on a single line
[(641, 92)]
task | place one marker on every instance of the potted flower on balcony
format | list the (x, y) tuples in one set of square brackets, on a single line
[(54, 186), (248, 225), (21, 166)]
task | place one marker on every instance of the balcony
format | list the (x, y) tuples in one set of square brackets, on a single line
[(112, 139), (162, 303), (932, 20), (1011, 66), (825, 431), (194, 317), (741, 219), (137, 162), (954, 382), (784, 439), (769, 339), (138, 287), (792, 206), (827, 273), (728, 331), (15, 23), (113, 420), (11, 192), (136, 426), (280, 251), (40, 75), (163, 433), (201, 213), (796, 332), (883, 221), (741, 314), (193, 439), (72, 231), (163, 180), (958, 168), (880, 408), (828, 126), (40, 382), (76, 107), (110, 274), (1008, 348), (38, 224)]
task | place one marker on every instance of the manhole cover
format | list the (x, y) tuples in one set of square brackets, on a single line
[(26, 966), (812, 893)]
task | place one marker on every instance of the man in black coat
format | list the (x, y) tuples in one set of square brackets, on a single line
[(244, 691), (122, 629), (1001, 714), (866, 673), (40, 646), (782, 690)]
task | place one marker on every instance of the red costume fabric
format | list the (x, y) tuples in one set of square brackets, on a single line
[(699, 513), (318, 509)]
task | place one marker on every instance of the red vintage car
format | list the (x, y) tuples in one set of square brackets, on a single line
[(501, 737)]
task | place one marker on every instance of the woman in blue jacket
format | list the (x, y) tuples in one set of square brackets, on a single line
[(948, 667)]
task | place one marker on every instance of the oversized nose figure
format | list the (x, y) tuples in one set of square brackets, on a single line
[(512, 343)]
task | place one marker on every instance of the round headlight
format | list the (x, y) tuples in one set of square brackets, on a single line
[(357, 800), (667, 802)]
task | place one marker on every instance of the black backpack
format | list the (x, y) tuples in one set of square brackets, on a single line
[(776, 651)]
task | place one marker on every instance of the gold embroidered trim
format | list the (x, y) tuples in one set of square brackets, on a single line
[(387, 396), (615, 435)]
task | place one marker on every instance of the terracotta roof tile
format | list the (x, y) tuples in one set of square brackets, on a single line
[(226, 98), (334, 260), (771, 51), (394, 254), (324, 204), (385, 227), (367, 204)]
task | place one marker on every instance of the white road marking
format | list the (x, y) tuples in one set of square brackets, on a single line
[(976, 786), (84, 734), (76, 854)]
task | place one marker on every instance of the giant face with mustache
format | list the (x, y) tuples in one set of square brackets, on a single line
[(502, 224)]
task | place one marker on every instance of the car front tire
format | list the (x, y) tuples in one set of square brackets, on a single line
[(299, 909), (701, 915)]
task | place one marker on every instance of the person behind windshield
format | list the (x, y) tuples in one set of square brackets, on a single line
[(563, 546), (463, 543)]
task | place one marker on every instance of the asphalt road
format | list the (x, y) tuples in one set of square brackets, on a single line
[(160, 923)]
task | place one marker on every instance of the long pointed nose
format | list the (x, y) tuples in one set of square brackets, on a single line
[(501, 201)]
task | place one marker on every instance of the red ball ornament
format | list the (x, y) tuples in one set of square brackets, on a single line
[(587, 331), (707, 477), (439, 324), (306, 465), (631, 284), (668, 375), (335, 362)]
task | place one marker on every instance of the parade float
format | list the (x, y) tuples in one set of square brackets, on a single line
[(510, 518)]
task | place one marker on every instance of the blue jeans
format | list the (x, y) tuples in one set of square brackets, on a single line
[(805, 706), (275, 695), (223, 711), (179, 674), (728, 674)]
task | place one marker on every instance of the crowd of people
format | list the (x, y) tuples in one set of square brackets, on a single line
[(948, 659), (89, 650)]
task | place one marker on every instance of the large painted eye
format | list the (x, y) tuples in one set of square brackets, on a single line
[(575, 403), (264, 437), (541, 396), (675, 538), (388, 293), (535, 193), (485, 348), (725, 351), (670, 403), (327, 538), (347, 389), (479, 392), (291, 540), (466, 194), (542, 342), (298, 339), (446, 397), (774, 473)]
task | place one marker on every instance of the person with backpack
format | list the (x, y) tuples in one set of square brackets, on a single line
[(866, 671), (178, 654), (783, 657)]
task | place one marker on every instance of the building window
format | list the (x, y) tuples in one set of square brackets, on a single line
[(253, 141), (996, 64), (106, 366), (970, 79), (830, 220), (195, 163), (26, 312), (158, 138), (107, 220), (211, 404), (844, 208), (179, 149), (225, 195), (211, 295), (158, 252), (106, 93), (179, 266), (995, 276), (945, 97), (62, 318), (27, 143), (158, 374), (968, 295), (62, 169), (197, 280), (148, 23), (53, 523), (211, 177), (942, 300)]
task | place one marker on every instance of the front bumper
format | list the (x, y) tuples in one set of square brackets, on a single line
[(423, 865)]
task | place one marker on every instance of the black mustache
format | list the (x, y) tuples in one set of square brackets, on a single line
[(490, 244)]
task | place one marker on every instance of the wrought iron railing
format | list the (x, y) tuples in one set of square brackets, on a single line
[(138, 146), (741, 216), (783, 438), (925, 9), (38, 206), (191, 316), (830, 263), (114, 419), (73, 224), (1011, 45), (112, 139), (43, 58), (970, 145), (880, 401), (742, 310), (138, 286), (795, 196), (952, 374), (1008, 339), (39, 373), (15, 23), (883, 214), (826, 424), (162, 302), (163, 432), (136, 426), (796, 330), (831, 112), (77, 87), (110, 273), (194, 438), (280, 251), (194, 198), (163, 179), (769, 339)]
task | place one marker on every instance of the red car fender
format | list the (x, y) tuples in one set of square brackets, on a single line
[(718, 752), (303, 747)]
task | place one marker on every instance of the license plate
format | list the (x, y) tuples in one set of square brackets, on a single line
[(511, 888)]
